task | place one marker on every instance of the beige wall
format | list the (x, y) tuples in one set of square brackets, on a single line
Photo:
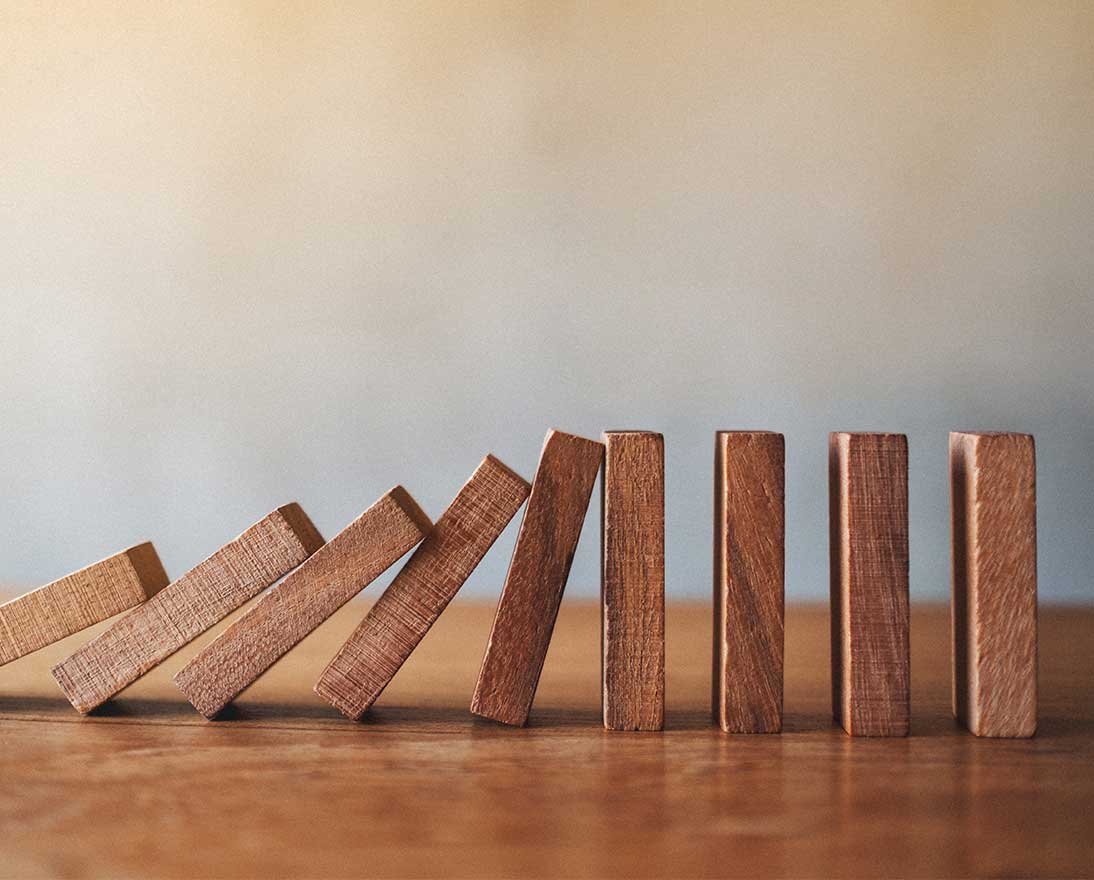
[(259, 251)]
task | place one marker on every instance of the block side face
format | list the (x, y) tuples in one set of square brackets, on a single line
[(1005, 625), (633, 581), (960, 620), (537, 576), (753, 587), (718, 644), (400, 619), (877, 584)]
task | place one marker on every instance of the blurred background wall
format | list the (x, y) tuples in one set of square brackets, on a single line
[(254, 252)]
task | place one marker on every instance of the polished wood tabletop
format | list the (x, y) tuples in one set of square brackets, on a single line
[(285, 786)]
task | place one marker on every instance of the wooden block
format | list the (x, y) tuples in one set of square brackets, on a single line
[(184, 609), (537, 576), (281, 618), (395, 625), (868, 527), (748, 581), (993, 479), (78, 600), (632, 581)]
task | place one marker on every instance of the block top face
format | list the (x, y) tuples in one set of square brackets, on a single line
[(302, 526), (410, 507), (150, 572), (989, 434), (492, 461), (632, 432)]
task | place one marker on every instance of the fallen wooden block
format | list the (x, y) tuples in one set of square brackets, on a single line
[(184, 609), (281, 618), (868, 527), (748, 581), (537, 576), (632, 581), (993, 479), (422, 589), (78, 600)]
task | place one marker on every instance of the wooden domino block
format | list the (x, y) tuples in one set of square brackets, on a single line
[(537, 576), (868, 525), (184, 609), (994, 517), (395, 625), (281, 618), (748, 581), (78, 600), (632, 581)]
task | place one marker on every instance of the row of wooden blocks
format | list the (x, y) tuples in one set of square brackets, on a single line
[(994, 588)]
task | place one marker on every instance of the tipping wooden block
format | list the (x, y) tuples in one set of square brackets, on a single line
[(993, 479), (632, 581), (78, 600), (402, 616), (184, 609), (868, 529), (748, 581), (280, 619), (537, 576)]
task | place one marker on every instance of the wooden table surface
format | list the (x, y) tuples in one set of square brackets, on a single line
[(287, 787)]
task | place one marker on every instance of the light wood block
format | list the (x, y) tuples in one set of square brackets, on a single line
[(281, 618), (749, 534), (993, 479), (868, 523), (78, 600), (184, 609), (402, 616), (537, 576), (632, 581)]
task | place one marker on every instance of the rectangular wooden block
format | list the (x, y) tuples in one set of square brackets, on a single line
[(281, 618), (993, 479), (78, 600), (868, 526), (749, 547), (632, 581), (537, 576), (184, 609), (395, 625)]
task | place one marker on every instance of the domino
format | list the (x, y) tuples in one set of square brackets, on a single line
[(79, 600), (993, 480), (868, 532), (280, 619), (402, 616), (184, 609), (537, 576)]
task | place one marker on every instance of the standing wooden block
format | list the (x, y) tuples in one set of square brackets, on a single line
[(537, 576), (76, 601), (748, 581), (632, 581), (993, 478), (868, 492), (395, 625), (334, 575), (183, 610)]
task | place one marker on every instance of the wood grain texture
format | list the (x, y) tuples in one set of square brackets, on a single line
[(994, 610), (868, 488), (537, 577), (179, 612), (281, 618), (399, 620), (632, 581), (78, 600), (749, 540), (284, 786)]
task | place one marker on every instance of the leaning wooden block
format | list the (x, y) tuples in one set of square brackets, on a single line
[(537, 576), (76, 601), (395, 625), (338, 571), (632, 581), (748, 581), (994, 516), (184, 609), (868, 525)]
